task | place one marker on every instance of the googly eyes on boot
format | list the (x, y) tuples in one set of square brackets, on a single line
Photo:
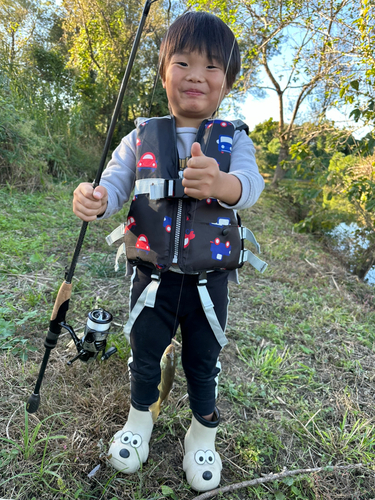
[(133, 440), (202, 457)]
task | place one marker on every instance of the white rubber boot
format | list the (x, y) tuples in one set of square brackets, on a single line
[(202, 464), (129, 447)]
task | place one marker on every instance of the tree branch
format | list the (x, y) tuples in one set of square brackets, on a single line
[(273, 477)]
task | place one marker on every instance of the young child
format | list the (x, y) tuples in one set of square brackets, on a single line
[(183, 238)]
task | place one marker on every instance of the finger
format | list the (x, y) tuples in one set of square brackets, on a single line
[(89, 203), (85, 189), (194, 193), (86, 218), (194, 186), (84, 214), (193, 173), (100, 192), (196, 150)]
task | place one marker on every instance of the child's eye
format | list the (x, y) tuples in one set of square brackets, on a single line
[(181, 63)]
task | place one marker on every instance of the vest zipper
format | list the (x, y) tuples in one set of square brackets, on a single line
[(178, 231)]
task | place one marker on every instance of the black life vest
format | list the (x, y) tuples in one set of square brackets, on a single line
[(165, 226)]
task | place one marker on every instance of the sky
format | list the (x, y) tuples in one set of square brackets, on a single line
[(258, 110)]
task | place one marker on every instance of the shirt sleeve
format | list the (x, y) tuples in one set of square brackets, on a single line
[(244, 167), (119, 176)]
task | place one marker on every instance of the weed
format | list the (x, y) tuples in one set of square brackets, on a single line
[(30, 441), (271, 367), (10, 341)]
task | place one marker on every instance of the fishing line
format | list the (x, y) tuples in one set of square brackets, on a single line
[(156, 80)]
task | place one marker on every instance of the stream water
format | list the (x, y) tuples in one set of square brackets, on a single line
[(344, 234)]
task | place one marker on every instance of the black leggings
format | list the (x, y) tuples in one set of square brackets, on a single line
[(177, 302)]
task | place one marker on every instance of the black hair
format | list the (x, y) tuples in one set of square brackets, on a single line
[(205, 33)]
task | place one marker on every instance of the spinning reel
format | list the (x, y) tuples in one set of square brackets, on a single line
[(94, 338)]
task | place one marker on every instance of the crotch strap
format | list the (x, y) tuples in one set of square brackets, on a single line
[(208, 308), (146, 299)]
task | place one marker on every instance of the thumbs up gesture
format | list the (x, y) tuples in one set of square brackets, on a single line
[(202, 176)]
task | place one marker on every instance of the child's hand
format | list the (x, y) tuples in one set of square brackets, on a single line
[(202, 176), (89, 203)]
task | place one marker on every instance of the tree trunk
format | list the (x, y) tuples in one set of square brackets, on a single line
[(280, 171)]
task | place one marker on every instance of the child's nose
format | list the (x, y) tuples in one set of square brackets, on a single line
[(195, 75)]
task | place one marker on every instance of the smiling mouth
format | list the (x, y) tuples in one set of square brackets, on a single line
[(193, 92)]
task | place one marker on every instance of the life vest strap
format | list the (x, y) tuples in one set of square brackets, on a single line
[(116, 234), (248, 256), (146, 299), (208, 308), (256, 262), (160, 188), (248, 235)]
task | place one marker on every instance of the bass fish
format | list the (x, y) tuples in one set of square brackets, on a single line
[(168, 368)]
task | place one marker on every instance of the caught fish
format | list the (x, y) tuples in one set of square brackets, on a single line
[(168, 368)]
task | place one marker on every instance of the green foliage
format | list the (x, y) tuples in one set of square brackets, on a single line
[(34, 145), (33, 449), (99, 42), (11, 338), (265, 139), (343, 192), (60, 74), (359, 92)]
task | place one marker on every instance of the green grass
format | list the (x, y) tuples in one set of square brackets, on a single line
[(296, 389)]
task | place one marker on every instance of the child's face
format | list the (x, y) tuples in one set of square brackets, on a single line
[(195, 87)]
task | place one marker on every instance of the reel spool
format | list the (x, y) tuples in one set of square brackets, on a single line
[(94, 338)]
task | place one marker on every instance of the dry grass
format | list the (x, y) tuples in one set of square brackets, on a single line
[(296, 391)]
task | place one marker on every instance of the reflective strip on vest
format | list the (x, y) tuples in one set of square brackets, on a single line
[(157, 189), (146, 299)]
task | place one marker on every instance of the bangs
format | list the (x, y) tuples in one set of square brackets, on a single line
[(202, 38), (206, 34)]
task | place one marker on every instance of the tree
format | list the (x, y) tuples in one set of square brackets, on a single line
[(358, 88), (311, 37), (60, 71), (265, 140), (311, 150), (100, 35)]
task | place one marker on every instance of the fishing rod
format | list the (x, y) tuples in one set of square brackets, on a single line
[(98, 323)]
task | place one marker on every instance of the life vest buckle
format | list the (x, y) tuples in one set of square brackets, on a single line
[(174, 189)]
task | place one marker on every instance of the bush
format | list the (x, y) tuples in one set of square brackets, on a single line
[(30, 153), (21, 163)]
